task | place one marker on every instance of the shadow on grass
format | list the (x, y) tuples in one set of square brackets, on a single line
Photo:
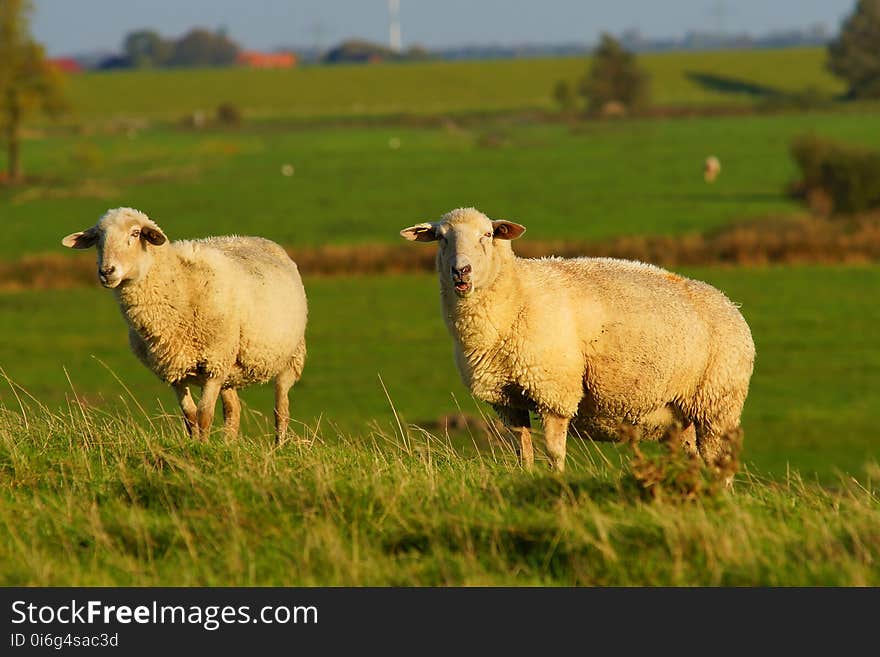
[(547, 489), (538, 543), (534, 542), (767, 99), (730, 85)]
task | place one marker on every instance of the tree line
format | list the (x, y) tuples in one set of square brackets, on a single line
[(615, 82), (198, 47)]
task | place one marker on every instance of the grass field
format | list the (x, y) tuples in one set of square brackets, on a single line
[(86, 499), (811, 404), (728, 77), (602, 179)]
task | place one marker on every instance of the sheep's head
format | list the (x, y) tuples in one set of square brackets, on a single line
[(472, 247), (125, 239)]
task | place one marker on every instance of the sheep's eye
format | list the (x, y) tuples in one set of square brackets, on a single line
[(489, 234), (136, 233)]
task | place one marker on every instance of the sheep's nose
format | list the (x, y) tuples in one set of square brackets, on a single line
[(461, 272), (106, 271)]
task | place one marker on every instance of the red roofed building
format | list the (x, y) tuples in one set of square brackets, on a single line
[(254, 59), (66, 65)]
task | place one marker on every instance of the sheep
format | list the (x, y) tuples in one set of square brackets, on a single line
[(220, 312), (590, 344), (711, 168)]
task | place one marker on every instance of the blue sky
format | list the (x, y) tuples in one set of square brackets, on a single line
[(74, 26)]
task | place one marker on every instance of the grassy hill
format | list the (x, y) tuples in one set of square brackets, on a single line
[(678, 79), (91, 499)]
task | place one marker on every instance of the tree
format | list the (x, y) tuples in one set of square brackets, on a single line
[(204, 48), (614, 77), (358, 50), (855, 54), (28, 81), (146, 48)]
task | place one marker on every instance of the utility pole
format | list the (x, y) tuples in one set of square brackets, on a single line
[(318, 31), (719, 12)]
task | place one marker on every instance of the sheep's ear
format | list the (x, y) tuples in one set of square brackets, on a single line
[(81, 240), (426, 232), (507, 230), (153, 235)]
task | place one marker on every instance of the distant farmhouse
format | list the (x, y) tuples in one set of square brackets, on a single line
[(255, 59), (66, 64)]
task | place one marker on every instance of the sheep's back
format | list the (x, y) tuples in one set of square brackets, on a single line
[(645, 331), (260, 291)]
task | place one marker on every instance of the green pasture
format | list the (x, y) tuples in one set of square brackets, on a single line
[(811, 407), (432, 88), (579, 182), (92, 499)]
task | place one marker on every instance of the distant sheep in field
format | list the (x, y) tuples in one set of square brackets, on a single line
[(221, 312), (711, 168), (588, 343)]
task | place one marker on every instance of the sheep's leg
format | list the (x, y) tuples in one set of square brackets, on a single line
[(283, 383), (555, 432), (689, 439), (525, 453), (517, 420), (231, 412), (188, 406), (715, 449), (210, 392)]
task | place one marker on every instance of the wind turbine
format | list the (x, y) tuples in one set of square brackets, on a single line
[(394, 39)]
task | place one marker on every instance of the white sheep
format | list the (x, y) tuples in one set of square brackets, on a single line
[(588, 343), (221, 312), (711, 168)]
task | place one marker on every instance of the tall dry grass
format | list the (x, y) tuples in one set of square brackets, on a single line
[(787, 240), (89, 498)]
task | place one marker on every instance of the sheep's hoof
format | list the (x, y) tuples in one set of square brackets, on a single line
[(557, 466)]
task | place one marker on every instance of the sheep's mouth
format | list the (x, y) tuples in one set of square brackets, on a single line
[(463, 288), (109, 281)]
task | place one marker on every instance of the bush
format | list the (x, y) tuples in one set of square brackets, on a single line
[(674, 474), (836, 178), (563, 94), (229, 115)]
